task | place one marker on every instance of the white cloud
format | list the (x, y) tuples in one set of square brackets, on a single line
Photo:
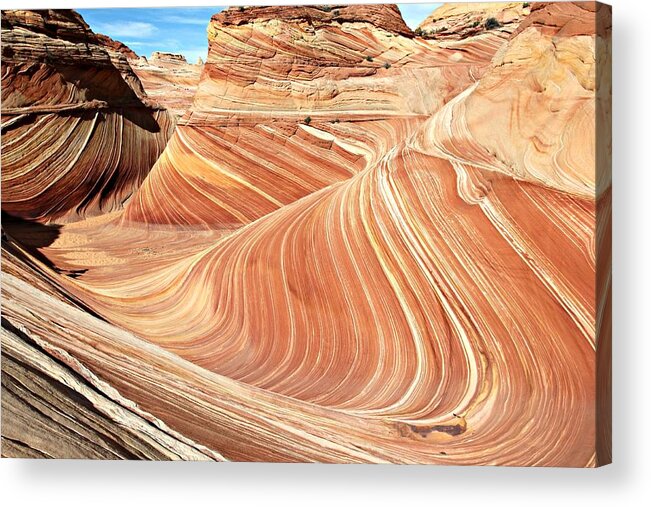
[(141, 44), (133, 29), (182, 20), (133, 43)]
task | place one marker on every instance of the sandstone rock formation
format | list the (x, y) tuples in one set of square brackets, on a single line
[(55, 407), (169, 79), (118, 46), (168, 57), (340, 260), (542, 66), (78, 131), (455, 21), (292, 100)]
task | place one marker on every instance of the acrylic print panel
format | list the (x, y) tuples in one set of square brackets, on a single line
[(346, 234)]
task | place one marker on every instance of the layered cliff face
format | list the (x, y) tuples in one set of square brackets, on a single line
[(458, 21), (540, 98), (417, 274), (293, 99), (78, 132), (169, 79), (115, 45), (346, 60)]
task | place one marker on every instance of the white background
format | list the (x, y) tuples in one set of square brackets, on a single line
[(624, 483)]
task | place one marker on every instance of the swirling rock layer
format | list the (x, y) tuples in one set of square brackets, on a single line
[(339, 260), (293, 100), (78, 132)]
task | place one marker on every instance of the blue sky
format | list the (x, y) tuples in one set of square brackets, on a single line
[(414, 14), (183, 29), (172, 29)]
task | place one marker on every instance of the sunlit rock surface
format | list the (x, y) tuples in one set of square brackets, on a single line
[(115, 45), (292, 100), (169, 79), (340, 260), (457, 21)]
